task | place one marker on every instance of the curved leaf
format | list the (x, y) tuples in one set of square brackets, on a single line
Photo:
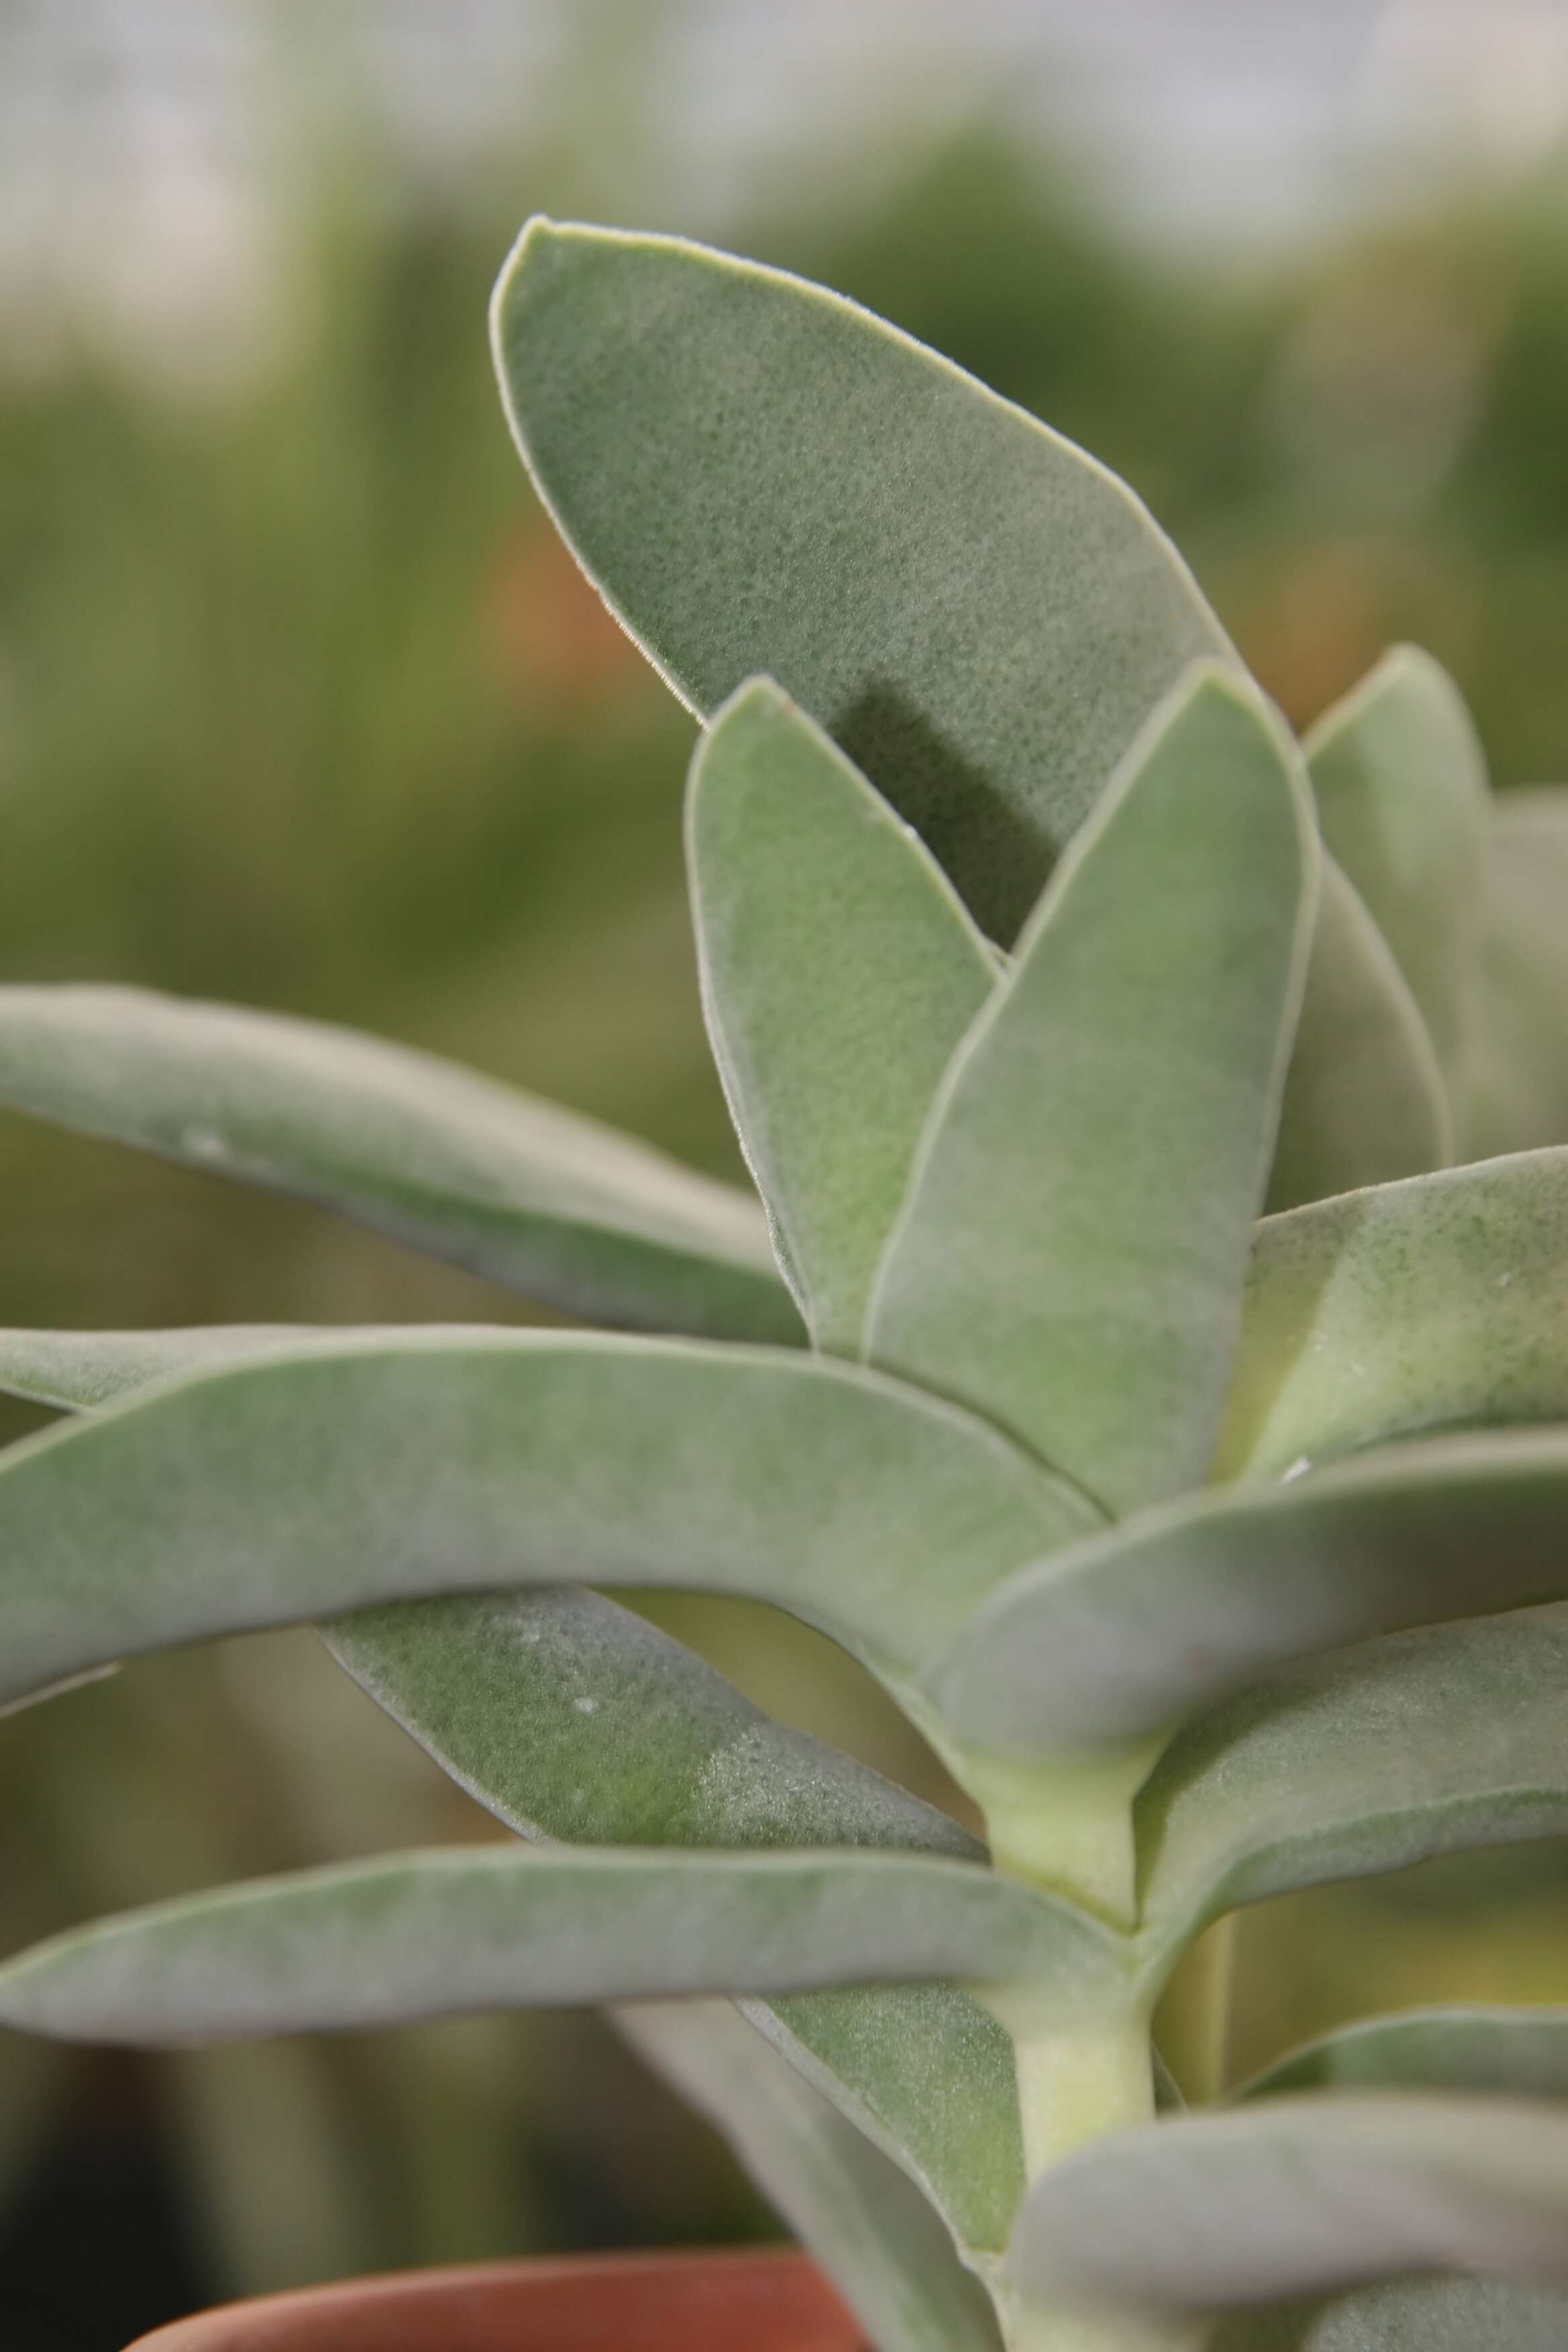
[(1522, 2054), (431, 1154), (83, 1371), (454, 1929), (759, 476), (1289, 2197), (1416, 1745), (300, 1485), (1128, 1634), (839, 970), (568, 1718), (1364, 1101), (864, 2221), (1070, 1257), (1433, 1304), (1403, 805), (1421, 2315), (1516, 1093)]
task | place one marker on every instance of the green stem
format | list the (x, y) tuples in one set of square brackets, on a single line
[(1064, 1823)]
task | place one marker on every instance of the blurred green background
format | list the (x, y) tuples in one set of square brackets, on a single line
[(301, 705)]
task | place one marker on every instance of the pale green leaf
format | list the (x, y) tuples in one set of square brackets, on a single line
[(296, 1486), (839, 972), (454, 1929), (1070, 1257), (761, 477), (570, 1719), (1419, 2314), (81, 1371), (1296, 2196), (1522, 2054), (1418, 1744), (432, 1154), (864, 2221), (1364, 1102), (1130, 1633), (1516, 1093), (1438, 1303), (1403, 805)]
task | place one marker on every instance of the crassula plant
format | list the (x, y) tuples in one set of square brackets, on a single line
[(1150, 1357)]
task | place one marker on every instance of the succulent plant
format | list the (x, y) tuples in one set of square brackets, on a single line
[(1149, 1358)]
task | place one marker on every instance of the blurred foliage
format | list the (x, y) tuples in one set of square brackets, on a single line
[(302, 704)]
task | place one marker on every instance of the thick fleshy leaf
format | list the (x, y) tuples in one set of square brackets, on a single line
[(1521, 2053), (1419, 2315), (1070, 1257), (759, 476), (454, 1929), (839, 972), (570, 1719), (1404, 804), (1290, 2197), (1516, 1094), (862, 2218), (1438, 1303), (429, 1153), (1364, 1102), (1128, 1634), (298, 1486), (81, 1371), (1416, 1745)]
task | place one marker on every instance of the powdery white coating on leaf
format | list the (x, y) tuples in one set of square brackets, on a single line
[(1435, 1304), (761, 477), (428, 1153)]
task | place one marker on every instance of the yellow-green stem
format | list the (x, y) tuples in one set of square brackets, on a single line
[(1064, 1823)]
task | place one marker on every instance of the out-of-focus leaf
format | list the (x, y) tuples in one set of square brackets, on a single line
[(296, 1486), (432, 1154), (1364, 1101), (1515, 1097), (1419, 2314), (1403, 801), (568, 1718), (454, 1929), (1070, 1257), (1434, 1304), (1295, 2196), (1371, 1760), (1130, 1632), (839, 970), (864, 2220), (761, 477), (1520, 2053)]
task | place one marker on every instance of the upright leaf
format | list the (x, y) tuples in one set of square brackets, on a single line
[(1364, 1101), (1423, 1743), (1128, 1634), (1404, 804), (1438, 1303), (1288, 2197), (297, 1486), (454, 1929), (839, 970), (865, 2223), (1070, 1256), (447, 1161), (759, 476), (568, 1718), (1516, 1094), (1522, 2054)]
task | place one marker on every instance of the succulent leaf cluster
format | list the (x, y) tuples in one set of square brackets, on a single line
[(1146, 1353)]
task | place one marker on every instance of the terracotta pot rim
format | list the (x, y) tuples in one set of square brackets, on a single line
[(272, 2320)]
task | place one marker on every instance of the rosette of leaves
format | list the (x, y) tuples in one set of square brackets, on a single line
[(1128, 1361)]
